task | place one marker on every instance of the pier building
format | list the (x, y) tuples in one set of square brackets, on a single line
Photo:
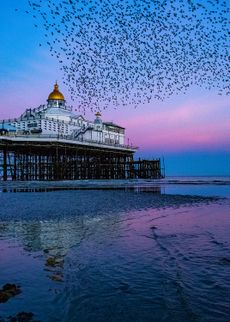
[(51, 142), (56, 118)]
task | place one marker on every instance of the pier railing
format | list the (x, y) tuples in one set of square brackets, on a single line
[(70, 139)]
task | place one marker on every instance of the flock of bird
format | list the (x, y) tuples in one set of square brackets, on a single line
[(129, 52)]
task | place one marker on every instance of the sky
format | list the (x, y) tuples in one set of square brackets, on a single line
[(190, 131)]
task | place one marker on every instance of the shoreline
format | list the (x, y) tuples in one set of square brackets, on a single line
[(153, 185)]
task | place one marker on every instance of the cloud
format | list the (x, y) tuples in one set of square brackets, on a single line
[(198, 123)]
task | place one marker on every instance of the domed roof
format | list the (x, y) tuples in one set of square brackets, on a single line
[(56, 95)]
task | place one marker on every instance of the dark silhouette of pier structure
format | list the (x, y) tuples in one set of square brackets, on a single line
[(31, 160)]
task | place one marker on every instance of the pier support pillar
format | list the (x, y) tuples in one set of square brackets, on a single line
[(5, 163)]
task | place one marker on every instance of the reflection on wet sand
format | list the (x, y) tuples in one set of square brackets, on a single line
[(112, 255), (153, 189)]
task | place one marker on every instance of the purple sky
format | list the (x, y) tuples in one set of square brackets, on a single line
[(191, 130)]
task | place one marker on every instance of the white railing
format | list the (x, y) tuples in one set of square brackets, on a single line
[(68, 138)]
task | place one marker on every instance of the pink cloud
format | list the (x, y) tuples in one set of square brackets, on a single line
[(191, 125)]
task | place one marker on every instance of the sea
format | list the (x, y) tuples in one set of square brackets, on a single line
[(116, 251)]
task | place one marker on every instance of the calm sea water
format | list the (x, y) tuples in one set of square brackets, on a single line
[(137, 251)]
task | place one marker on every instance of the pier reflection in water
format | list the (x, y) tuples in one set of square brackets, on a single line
[(115, 255), (153, 189)]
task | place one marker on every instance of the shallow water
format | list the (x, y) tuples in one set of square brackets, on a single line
[(142, 252)]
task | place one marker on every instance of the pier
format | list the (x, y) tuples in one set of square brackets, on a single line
[(32, 158), (51, 142)]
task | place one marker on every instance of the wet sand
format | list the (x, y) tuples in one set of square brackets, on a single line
[(137, 252)]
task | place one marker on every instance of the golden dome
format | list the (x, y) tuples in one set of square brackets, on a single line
[(56, 95), (98, 114)]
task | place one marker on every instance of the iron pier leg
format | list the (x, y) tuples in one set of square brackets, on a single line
[(5, 163)]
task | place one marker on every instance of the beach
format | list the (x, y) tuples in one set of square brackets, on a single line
[(137, 250)]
